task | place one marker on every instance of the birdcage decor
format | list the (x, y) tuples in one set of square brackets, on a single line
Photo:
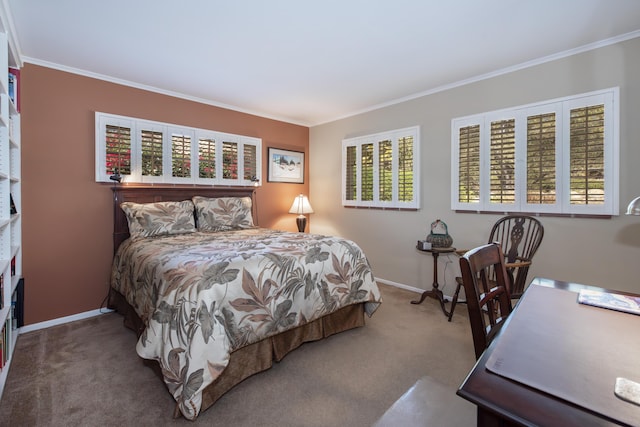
[(439, 235)]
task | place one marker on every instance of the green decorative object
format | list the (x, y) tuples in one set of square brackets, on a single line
[(439, 236)]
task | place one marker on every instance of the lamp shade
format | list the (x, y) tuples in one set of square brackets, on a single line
[(301, 205), (634, 207)]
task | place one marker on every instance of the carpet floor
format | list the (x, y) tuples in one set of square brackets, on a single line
[(87, 373)]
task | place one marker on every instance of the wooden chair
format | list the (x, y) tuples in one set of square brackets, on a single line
[(520, 237), (486, 285)]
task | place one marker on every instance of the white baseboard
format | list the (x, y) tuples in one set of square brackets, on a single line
[(399, 285), (407, 287), (62, 320)]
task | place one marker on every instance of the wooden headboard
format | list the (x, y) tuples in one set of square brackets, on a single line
[(152, 193)]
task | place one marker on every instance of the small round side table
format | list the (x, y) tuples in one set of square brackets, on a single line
[(435, 292)]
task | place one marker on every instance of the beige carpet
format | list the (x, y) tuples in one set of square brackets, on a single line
[(87, 373)]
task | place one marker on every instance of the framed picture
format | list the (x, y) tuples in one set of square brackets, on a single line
[(285, 166)]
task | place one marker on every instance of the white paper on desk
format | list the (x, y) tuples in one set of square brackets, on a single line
[(595, 348)]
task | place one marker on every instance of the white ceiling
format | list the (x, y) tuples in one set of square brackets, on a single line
[(309, 62)]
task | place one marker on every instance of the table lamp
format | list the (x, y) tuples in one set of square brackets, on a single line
[(634, 207), (301, 206)]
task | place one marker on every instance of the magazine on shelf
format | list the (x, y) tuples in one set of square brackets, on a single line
[(612, 301)]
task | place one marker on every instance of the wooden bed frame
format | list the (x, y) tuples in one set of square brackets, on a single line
[(245, 361)]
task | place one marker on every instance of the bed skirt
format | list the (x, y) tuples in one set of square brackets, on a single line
[(256, 357)]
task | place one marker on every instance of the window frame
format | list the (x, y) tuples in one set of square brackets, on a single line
[(395, 136), (562, 108), (137, 126)]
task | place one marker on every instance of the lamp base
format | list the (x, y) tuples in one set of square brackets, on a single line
[(302, 223)]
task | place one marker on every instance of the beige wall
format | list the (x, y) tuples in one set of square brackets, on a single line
[(68, 217), (604, 252)]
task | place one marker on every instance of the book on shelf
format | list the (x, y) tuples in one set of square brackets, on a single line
[(7, 338), (12, 205), (3, 345), (14, 87), (610, 300), (19, 310), (14, 311)]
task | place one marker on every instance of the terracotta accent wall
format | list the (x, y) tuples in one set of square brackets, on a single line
[(67, 216)]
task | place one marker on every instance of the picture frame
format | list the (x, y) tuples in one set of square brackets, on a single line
[(285, 166)]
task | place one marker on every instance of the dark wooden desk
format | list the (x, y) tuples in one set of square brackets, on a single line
[(435, 292), (505, 402)]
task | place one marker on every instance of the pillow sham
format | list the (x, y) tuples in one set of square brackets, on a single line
[(223, 213), (159, 218)]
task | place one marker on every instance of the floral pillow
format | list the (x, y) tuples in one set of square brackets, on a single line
[(160, 218), (223, 213)]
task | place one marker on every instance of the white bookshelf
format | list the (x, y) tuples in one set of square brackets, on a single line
[(10, 189)]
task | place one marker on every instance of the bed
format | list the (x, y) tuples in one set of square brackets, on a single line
[(214, 298)]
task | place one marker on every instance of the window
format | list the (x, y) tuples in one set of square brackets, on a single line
[(151, 152), (381, 170), (180, 156), (151, 145), (118, 148), (207, 158), (558, 157)]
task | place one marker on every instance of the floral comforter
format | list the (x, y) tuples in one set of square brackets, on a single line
[(203, 295)]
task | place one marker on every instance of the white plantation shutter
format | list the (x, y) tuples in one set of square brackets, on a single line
[(381, 170), (114, 142), (230, 160), (180, 155), (250, 162), (587, 155), (147, 151), (207, 157), (469, 164), (558, 157), (118, 150), (502, 162), (366, 167), (541, 159), (351, 173), (152, 152), (407, 172), (385, 170), (151, 158)]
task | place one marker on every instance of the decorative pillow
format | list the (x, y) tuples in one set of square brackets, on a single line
[(160, 218), (223, 213)]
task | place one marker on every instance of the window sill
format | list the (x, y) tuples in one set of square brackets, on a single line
[(541, 214)]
